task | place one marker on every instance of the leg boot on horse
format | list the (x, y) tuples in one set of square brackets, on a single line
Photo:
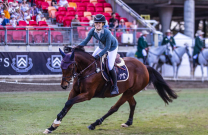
[(114, 89)]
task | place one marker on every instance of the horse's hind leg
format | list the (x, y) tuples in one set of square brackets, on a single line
[(132, 104), (113, 109)]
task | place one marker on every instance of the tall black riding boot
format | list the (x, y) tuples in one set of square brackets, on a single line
[(114, 89), (194, 63), (144, 60), (168, 59)]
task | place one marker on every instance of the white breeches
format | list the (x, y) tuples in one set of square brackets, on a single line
[(195, 56), (144, 52), (111, 56)]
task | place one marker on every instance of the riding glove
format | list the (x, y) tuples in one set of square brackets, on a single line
[(97, 57)]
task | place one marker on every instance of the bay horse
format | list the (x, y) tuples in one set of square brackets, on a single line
[(88, 83)]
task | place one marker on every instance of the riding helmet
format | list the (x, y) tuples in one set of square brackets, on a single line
[(99, 18)]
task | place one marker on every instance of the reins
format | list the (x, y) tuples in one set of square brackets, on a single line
[(77, 75)]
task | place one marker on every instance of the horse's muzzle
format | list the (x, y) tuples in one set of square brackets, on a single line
[(64, 87)]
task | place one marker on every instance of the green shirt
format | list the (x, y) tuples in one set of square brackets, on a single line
[(142, 44), (171, 41), (198, 45)]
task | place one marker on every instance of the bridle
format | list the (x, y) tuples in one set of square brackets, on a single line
[(78, 75)]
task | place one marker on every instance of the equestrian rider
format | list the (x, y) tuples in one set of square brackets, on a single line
[(107, 43), (142, 47), (168, 39), (198, 46)]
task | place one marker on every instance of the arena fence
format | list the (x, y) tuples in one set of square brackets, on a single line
[(44, 36)]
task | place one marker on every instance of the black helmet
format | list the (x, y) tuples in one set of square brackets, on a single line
[(99, 18)]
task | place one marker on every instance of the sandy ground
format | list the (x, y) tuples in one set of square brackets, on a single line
[(12, 87)]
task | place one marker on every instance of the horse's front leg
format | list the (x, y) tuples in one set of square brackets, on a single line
[(72, 100), (177, 67), (207, 72), (202, 70), (174, 71)]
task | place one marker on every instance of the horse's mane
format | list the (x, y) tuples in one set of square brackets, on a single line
[(81, 49)]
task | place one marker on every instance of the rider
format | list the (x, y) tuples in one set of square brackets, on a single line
[(107, 43), (142, 46), (168, 39), (198, 46)]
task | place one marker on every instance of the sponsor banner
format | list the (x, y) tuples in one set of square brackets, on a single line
[(31, 63)]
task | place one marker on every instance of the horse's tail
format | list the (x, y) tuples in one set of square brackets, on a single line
[(165, 92)]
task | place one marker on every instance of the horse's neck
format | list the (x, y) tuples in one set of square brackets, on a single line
[(205, 53), (161, 49), (180, 51), (83, 60)]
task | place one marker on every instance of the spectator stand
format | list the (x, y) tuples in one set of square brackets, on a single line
[(34, 35)]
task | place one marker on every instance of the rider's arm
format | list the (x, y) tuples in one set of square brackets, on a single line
[(107, 45), (174, 44), (87, 39)]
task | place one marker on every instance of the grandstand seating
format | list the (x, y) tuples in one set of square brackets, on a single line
[(128, 24), (84, 8), (98, 9), (44, 6), (107, 5), (61, 9), (88, 15), (85, 1), (33, 18), (72, 4), (33, 23), (125, 19), (69, 9), (67, 21), (90, 9), (99, 5), (101, 1), (90, 5), (108, 10)]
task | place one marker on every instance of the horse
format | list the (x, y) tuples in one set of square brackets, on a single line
[(88, 83), (202, 61), (153, 55), (176, 60)]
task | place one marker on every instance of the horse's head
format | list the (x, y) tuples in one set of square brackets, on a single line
[(67, 66), (188, 50)]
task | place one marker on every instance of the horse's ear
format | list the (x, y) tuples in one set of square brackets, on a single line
[(72, 56), (62, 53)]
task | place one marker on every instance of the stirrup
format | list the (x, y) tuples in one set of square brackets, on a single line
[(114, 90)]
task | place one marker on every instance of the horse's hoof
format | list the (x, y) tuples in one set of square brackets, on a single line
[(90, 127), (124, 125), (47, 131)]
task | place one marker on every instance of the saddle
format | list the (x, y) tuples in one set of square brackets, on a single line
[(120, 67)]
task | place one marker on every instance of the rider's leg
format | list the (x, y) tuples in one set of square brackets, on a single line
[(194, 60), (144, 53), (144, 60), (111, 61), (97, 50)]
